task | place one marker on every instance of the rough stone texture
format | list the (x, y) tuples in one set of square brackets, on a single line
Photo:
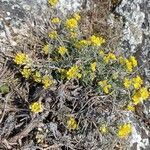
[(16, 14), (69, 5), (136, 31)]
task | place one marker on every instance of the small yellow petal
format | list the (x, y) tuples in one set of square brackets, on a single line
[(124, 130), (36, 107)]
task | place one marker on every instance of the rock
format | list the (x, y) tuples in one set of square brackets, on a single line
[(136, 31), (16, 14), (66, 6)]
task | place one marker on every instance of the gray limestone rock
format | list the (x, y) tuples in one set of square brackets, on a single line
[(136, 31)]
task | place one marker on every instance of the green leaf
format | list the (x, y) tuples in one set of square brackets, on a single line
[(4, 89)]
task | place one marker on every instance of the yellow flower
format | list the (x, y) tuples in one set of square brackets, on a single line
[(140, 95), (77, 16), (47, 81), (71, 23), (93, 66), (144, 93), (46, 49), (101, 53), (109, 56), (112, 56), (130, 63), (136, 98), (106, 59), (124, 130), (53, 2), (137, 82), (82, 43), (55, 20), (37, 77), (36, 107), (103, 128), (72, 124), (26, 72), (62, 50), (121, 60), (96, 41), (133, 61), (127, 83), (130, 107), (21, 58), (129, 66), (73, 72), (104, 84), (106, 88), (53, 34)]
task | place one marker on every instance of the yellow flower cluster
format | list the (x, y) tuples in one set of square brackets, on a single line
[(72, 124), (104, 84), (124, 130), (121, 60), (130, 107), (53, 2), (129, 66), (62, 50), (136, 81), (21, 58), (73, 72), (93, 66), (46, 49), (140, 95), (47, 81), (133, 61), (101, 52), (81, 44), (71, 24), (109, 57), (96, 41), (55, 20), (53, 34), (127, 83), (36, 107), (130, 63), (26, 72)]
